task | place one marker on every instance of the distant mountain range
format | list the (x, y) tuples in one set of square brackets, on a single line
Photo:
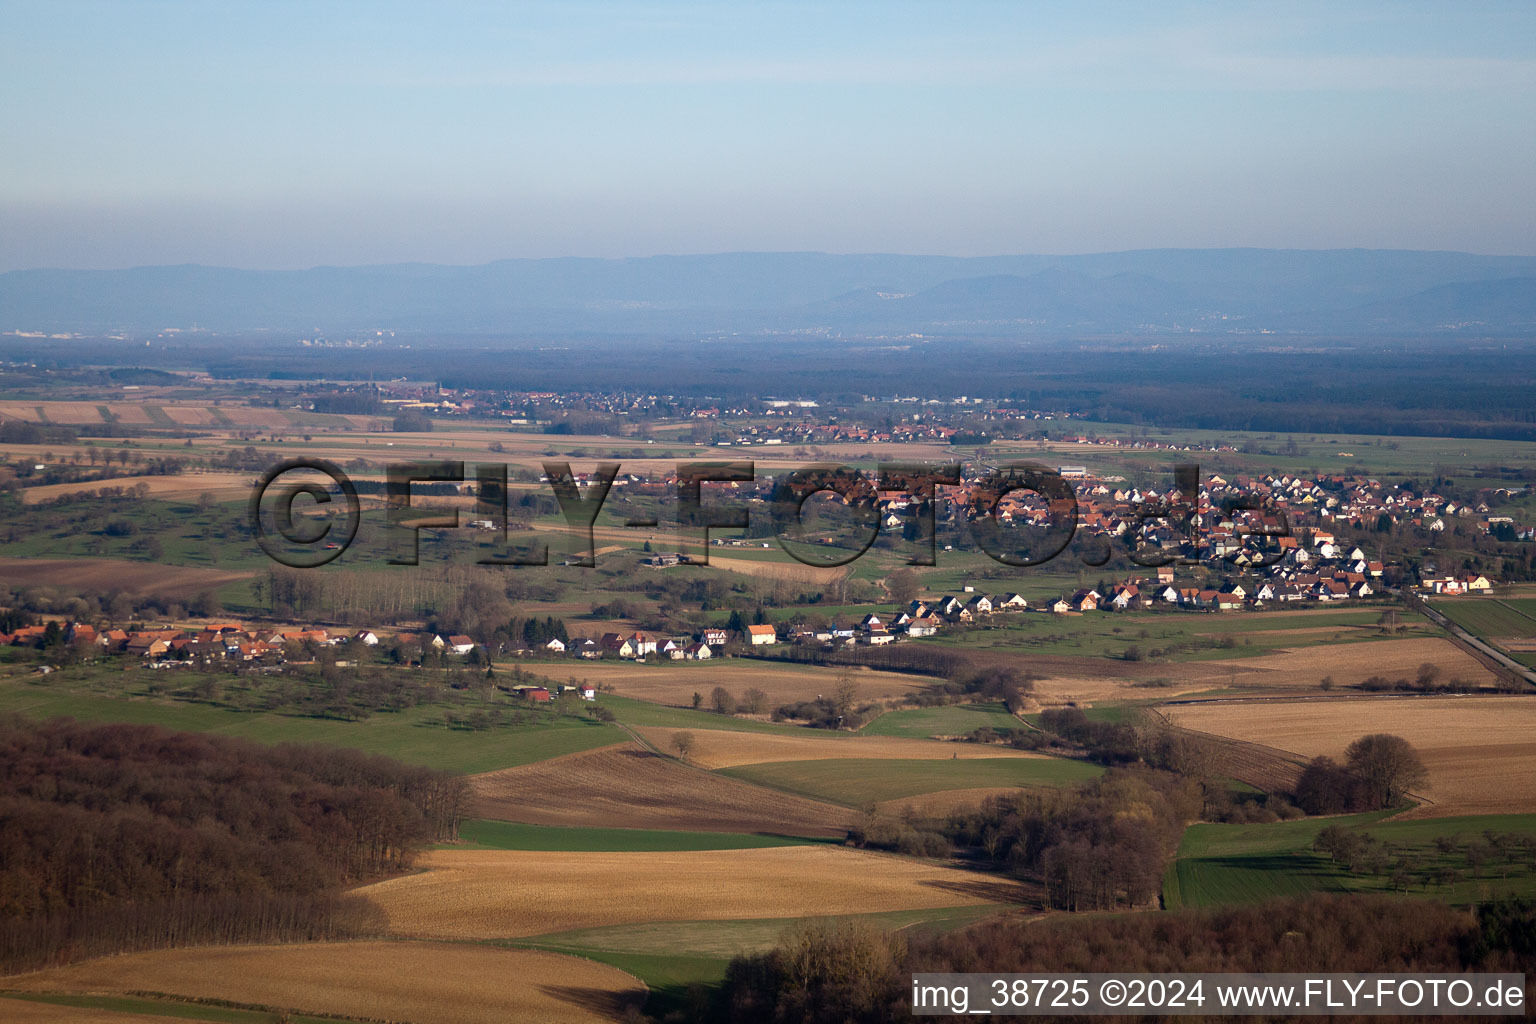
[(1155, 291)]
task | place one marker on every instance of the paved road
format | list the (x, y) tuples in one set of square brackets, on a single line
[(1468, 640)]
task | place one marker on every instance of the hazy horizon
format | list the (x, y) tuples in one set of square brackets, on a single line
[(283, 136), (785, 252)]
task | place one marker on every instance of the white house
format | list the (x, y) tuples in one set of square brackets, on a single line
[(762, 635)]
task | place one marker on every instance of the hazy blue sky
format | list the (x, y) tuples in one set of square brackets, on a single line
[(272, 135)]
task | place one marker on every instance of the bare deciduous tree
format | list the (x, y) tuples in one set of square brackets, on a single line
[(683, 743)]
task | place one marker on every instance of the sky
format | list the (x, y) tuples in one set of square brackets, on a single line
[(273, 135)]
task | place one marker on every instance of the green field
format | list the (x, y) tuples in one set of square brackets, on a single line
[(643, 713), (506, 835), (1224, 864), (161, 1008), (414, 736), (954, 720), (1172, 635), (860, 781), (1491, 619), (727, 938)]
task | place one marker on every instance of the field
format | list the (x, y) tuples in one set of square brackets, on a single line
[(953, 720), (1220, 864), (942, 803), (423, 982), (861, 782), (1170, 635), (1299, 664), (1299, 667), (626, 786), (1490, 619), (167, 414), (110, 574), (509, 894), (223, 486), (1353, 663), (480, 834), (103, 1010), (1480, 751), (674, 682), (723, 939), (415, 736), (719, 749), (782, 568)]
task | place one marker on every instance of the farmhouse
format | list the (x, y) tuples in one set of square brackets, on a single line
[(925, 625), (762, 635), (616, 644)]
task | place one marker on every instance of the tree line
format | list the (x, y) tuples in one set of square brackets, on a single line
[(854, 973)]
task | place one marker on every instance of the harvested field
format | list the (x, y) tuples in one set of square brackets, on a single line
[(1480, 751), (420, 982), (626, 786), (487, 894), (221, 485), (112, 574), (718, 748), (671, 682)]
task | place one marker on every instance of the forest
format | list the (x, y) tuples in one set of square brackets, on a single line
[(122, 837), (853, 973)]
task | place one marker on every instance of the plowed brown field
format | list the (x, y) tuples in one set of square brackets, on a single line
[(419, 982), (626, 786), (487, 894)]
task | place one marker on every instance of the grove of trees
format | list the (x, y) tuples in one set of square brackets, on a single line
[(119, 837)]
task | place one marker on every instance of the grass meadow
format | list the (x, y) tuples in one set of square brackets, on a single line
[(1226, 864)]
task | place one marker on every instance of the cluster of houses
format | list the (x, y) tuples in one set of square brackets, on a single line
[(222, 641), (640, 645)]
